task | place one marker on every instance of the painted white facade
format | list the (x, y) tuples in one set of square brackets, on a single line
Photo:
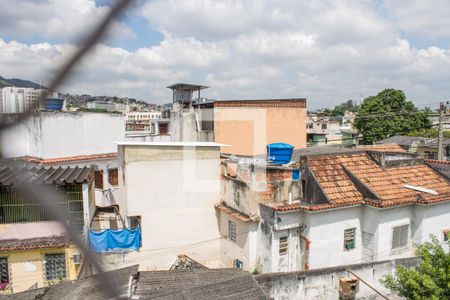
[(316, 239), (374, 232), (61, 134), (172, 187)]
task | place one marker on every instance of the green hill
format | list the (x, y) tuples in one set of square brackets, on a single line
[(18, 83)]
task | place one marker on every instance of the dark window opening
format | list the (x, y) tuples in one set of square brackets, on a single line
[(324, 126), (304, 188), (135, 221), (98, 180), (4, 273), (163, 129), (113, 177)]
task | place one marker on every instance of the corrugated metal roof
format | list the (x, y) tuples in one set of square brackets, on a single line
[(10, 175), (67, 159)]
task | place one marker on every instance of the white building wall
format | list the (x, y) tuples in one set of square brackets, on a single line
[(60, 134), (436, 218), (174, 194), (326, 234), (390, 218)]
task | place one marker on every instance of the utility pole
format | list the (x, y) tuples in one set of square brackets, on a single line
[(442, 109)]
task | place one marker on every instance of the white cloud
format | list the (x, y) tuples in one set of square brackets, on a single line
[(327, 51), (55, 19), (425, 19)]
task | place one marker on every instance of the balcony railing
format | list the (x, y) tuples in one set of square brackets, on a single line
[(18, 207)]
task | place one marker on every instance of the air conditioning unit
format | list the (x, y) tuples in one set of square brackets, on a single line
[(76, 258)]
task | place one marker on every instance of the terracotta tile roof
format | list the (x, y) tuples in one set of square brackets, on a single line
[(304, 206), (387, 183), (49, 161), (383, 148), (435, 161), (235, 213), (34, 243), (332, 178)]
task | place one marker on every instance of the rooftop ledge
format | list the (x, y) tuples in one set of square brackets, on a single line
[(173, 144)]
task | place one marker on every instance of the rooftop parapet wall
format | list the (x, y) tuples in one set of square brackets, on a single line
[(324, 283), (62, 134)]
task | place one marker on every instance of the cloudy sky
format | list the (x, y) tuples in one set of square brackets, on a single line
[(327, 51)]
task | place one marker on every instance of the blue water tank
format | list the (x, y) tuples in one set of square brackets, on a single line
[(53, 103), (279, 153)]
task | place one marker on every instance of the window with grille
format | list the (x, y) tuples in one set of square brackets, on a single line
[(98, 180), (4, 271), (113, 177), (55, 266), (283, 245), (400, 236), (349, 238), (232, 230)]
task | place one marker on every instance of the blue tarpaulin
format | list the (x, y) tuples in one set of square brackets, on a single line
[(115, 240)]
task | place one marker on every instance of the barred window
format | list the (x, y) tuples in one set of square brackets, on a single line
[(55, 266), (349, 238), (400, 236), (4, 271), (283, 246), (232, 230), (113, 177)]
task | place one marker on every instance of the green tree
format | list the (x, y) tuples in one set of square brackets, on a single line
[(428, 133), (387, 114), (429, 280)]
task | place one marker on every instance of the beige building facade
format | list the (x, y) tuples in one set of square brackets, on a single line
[(247, 126)]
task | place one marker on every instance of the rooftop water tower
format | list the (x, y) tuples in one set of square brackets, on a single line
[(185, 93)]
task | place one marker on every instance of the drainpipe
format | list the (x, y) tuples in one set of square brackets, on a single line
[(289, 249), (290, 198), (86, 212), (105, 178)]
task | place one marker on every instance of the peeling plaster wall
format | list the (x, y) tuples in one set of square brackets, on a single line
[(272, 186), (324, 283)]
